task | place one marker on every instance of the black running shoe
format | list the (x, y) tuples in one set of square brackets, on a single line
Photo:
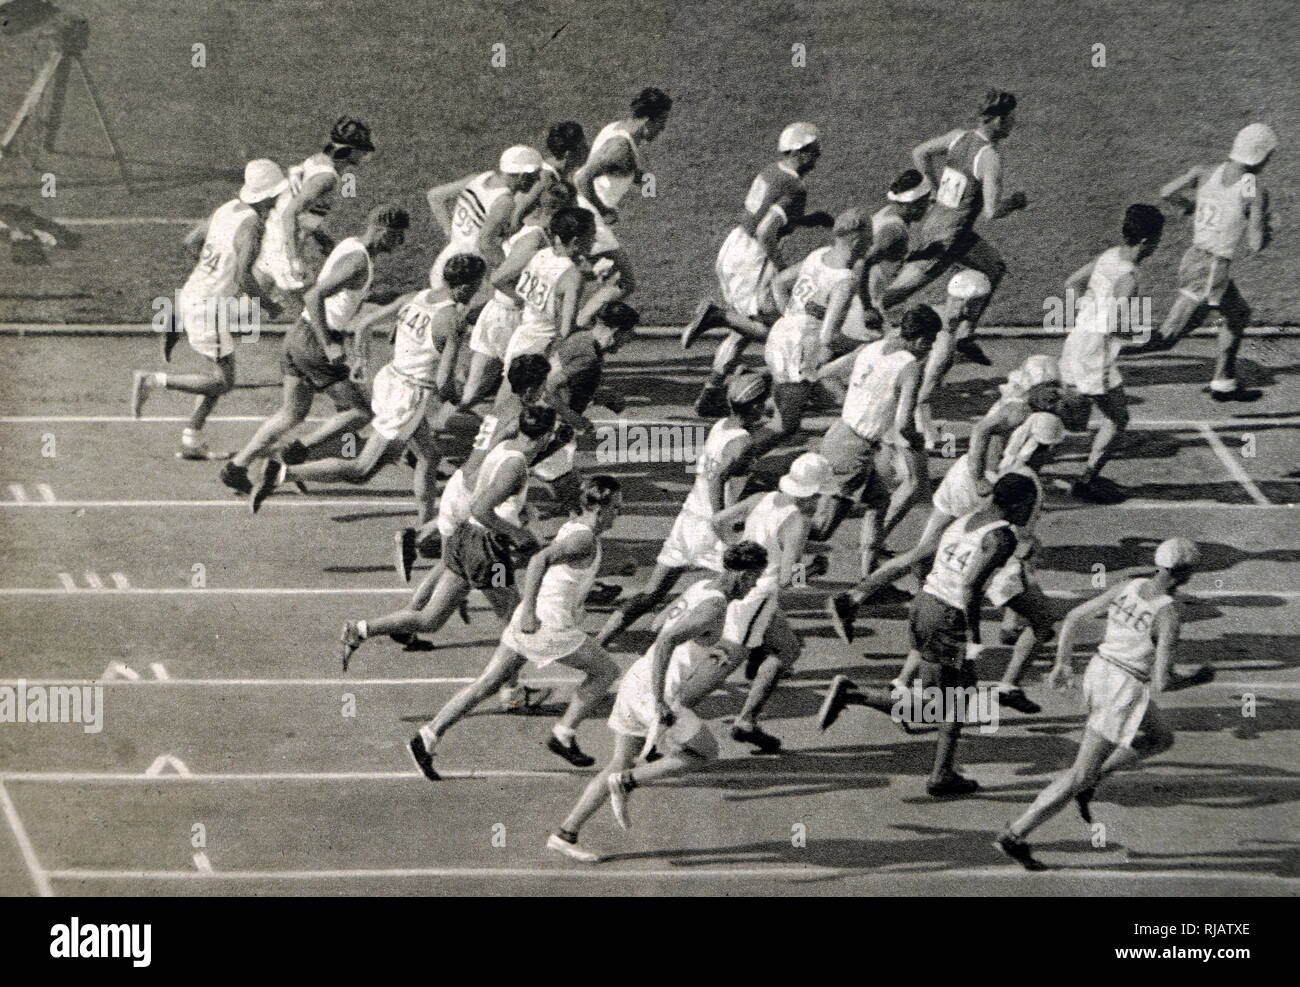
[(1245, 394), (1083, 800), (422, 758), (760, 738), (236, 478), (970, 350), (836, 699), (169, 340), (1016, 699), (271, 477), (570, 752), (294, 453), (404, 553), (953, 787), (1197, 676), (705, 317), (1018, 850), (603, 594)]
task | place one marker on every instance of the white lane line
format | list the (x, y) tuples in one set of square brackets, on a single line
[(402, 503), (18, 494), (118, 671), (160, 765), (40, 876), (126, 221), (1212, 594), (1237, 471), (183, 774), (162, 678), (201, 863), (599, 873), (689, 422), (93, 580)]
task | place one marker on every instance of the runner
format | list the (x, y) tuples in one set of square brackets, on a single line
[(212, 300), (1133, 664), (697, 647), (546, 628), (313, 358), (1089, 356), (426, 342), (778, 521), (550, 286), (721, 471), (1231, 212), (301, 208), (944, 624), (969, 186)]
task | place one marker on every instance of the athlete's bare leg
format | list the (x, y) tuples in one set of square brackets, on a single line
[(295, 403), (648, 598)]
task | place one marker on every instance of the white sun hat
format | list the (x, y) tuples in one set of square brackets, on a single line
[(1177, 553), (519, 160), (797, 135), (1253, 143), (808, 475), (263, 179), (968, 284)]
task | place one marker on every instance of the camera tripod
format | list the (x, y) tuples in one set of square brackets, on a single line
[(71, 35)]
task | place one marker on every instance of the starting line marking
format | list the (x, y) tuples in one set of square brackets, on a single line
[(1235, 469), (40, 877), (598, 873)]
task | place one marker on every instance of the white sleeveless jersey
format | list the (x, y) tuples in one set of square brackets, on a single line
[(815, 282), (564, 587), (214, 276), (524, 232), (764, 526), (952, 576), (707, 465), (512, 508), (687, 655), (416, 349), (1221, 213), (470, 211), (1099, 308), (611, 188), (872, 399), (299, 174), (536, 286), (1129, 640), (342, 306)]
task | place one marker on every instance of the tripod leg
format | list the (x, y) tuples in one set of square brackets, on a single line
[(103, 123), (31, 100), (58, 96)]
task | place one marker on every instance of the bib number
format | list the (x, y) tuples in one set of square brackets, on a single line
[(757, 193), (464, 221), (952, 186), (533, 291)]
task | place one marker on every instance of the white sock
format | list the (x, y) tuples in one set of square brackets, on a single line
[(363, 629), (563, 734), (1223, 386), (157, 380), (429, 737), (190, 437)]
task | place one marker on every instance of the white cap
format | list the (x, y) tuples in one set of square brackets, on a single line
[(1045, 428), (966, 284), (808, 475), (1253, 143), (797, 135), (1041, 369), (1042, 428), (263, 180), (519, 160), (1177, 553)]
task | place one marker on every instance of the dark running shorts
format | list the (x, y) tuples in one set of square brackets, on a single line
[(302, 358), (480, 557), (938, 632)]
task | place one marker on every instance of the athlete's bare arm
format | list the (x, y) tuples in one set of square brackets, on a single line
[(1258, 228), (308, 193), (347, 273), (452, 329), (1169, 624), (782, 284), (496, 227), (908, 384), (924, 155), (996, 420), (381, 312), (614, 157), (694, 623), (724, 522), (988, 169), (996, 547), (794, 539), (248, 241), (439, 196), (506, 276), (568, 288), (1181, 192), (837, 307), (1061, 671), (194, 238), (1078, 281), (507, 482), (574, 548)]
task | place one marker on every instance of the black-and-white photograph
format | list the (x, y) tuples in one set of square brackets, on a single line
[(645, 448)]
